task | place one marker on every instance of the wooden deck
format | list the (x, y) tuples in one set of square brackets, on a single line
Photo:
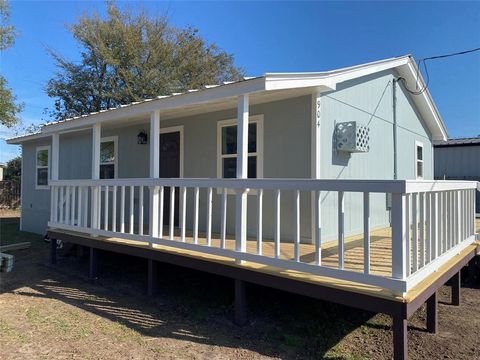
[(380, 260)]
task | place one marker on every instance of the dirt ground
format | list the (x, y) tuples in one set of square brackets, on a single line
[(55, 312)]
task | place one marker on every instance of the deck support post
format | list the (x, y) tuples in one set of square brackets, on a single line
[(400, 338), (240, 317), (472, 272), (456, 288), (432, 313), (242, 173), (93, 264), (53, 251), (152, 280)]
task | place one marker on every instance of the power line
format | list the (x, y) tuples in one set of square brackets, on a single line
[(423, 62)]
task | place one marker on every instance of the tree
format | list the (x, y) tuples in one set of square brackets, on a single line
[(9, 107), (129, 57), (13, 171)]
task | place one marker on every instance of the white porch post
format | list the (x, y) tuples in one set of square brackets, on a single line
[(55, 155), (315, 167), (154, 171), (54, 176), (95, 211), (400, 236), (242, 162)]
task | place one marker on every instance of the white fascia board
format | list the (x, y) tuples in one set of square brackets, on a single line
[(329, 79), (424, 101), (18, 140), (167, 103)]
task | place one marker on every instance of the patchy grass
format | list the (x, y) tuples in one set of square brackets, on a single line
[(52, 312)]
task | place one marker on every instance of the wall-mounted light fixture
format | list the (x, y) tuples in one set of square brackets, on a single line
[(142, 138)]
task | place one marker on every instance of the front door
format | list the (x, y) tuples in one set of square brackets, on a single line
[(170, 168)]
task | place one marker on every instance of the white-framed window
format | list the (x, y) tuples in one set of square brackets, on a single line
[(109, 157), (227, 148), (419, 156), (42, 167)]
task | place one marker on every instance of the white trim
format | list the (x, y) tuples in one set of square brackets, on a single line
[(171, 129), (258, 119), (115, 154), (37, 149), (417, 145)]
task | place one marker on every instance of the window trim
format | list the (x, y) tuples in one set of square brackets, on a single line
[(115, 154), (417, 145), (37, 149), (257, 119)]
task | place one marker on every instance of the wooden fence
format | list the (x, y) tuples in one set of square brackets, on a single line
[(9, 194)]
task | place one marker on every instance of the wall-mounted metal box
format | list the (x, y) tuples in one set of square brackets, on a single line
[(352, 137)]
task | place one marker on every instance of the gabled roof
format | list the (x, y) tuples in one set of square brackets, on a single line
[(269, 87)]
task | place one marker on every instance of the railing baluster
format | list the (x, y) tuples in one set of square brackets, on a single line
[(105, 209), (122, 209), (55, 204), (160, 212), (61, 189), (223, 219), (79, 206), (421, 259), (140, 210), (195, 215), (172, 213), (259, 221), (414, 233), (435, 226), (341, 230), (67, 205), (114, 208), (318, 228), (85, 206), (183, 212), (131, 209), (366, 232), (296, 205), (209, 216), (400, 236), (277, 223), (428, 229), (72, 209), (407, 234)]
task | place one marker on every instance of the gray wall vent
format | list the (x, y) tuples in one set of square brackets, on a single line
[(352, 137)]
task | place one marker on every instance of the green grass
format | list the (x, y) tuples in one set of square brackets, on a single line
[(10, 234)]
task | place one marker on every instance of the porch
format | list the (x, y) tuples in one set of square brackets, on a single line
[(431, 223)]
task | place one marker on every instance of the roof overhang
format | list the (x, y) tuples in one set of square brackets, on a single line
[(269, 87)]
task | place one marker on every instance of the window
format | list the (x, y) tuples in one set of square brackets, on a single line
[(418, 160), (227, 148), (42, 167), (108, 158)]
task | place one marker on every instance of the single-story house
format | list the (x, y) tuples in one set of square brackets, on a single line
[(319, 183), (458, 159)]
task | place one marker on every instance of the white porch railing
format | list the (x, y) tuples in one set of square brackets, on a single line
[(431, 220)]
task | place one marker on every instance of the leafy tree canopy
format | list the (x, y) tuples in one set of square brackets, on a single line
[(9, 108), (128, 57), (13, 171)]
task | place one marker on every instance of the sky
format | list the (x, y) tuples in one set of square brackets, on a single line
[(273, 37)]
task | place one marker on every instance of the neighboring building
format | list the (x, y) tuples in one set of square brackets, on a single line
[(458, 159), (2, 169)]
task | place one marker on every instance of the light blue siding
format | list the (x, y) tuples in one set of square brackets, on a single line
[(368, 101)]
